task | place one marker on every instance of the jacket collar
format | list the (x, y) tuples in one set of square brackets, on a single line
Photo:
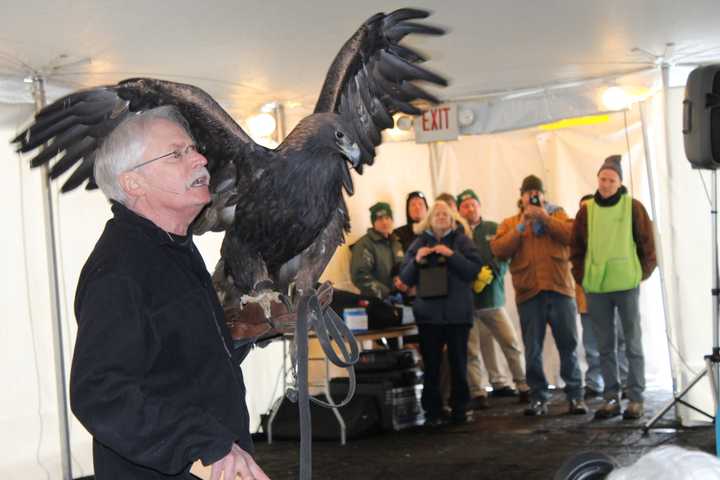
[(611, 200), (375, 236), (125, 215), (429, 233)]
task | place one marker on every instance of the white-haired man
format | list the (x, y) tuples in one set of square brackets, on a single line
[(154, 376)]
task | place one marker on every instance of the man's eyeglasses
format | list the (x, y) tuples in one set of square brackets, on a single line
[(177, 154)]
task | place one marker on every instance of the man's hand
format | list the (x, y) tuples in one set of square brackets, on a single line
[(443, 250), (237, 463), (525, 220), (533, 212), (422, 253)]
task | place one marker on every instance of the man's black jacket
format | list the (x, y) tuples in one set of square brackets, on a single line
[(154, 378)]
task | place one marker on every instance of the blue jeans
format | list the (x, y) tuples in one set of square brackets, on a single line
[(558, 311), (593, 376), (601, 307)]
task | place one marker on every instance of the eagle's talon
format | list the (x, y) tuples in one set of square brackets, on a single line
[(265, 299)]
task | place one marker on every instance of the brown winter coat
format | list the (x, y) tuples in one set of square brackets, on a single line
[(537, 263)]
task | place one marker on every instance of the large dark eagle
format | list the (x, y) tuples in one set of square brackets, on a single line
[(283, 210)]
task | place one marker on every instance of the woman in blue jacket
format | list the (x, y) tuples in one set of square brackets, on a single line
[(442, 263)]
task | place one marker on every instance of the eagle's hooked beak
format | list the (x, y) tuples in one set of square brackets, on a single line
[(351, 152)]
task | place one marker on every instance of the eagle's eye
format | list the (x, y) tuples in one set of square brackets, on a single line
[(339, 135)]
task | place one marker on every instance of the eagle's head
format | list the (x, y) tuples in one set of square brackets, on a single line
[(329, 139)]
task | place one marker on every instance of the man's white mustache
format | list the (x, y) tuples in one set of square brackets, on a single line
[(200, 173)]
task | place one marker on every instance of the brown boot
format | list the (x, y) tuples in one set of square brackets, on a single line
[(577, 407), (609, 409), (634, 411)]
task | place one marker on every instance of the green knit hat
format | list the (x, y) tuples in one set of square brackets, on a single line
[(464, 195), (380, 209)]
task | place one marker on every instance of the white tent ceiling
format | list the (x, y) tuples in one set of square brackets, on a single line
[(247, 52)]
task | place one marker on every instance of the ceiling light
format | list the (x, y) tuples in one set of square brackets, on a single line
[(615, 98), (261, 125), (269, 107)]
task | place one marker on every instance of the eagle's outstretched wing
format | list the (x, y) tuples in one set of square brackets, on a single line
[(75, 126), (372, 77)]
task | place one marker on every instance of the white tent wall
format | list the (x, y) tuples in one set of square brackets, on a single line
[(29, 430)]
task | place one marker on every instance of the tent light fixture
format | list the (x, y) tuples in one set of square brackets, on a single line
[(268, 107), (615, 98), (261, 125)]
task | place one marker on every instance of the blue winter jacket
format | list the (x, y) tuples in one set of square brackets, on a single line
[(463, 267)]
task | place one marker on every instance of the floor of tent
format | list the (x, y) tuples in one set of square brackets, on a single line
[(500, 443)]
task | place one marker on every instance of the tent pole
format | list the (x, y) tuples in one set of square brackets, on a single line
[(658, 240), (38, 91)]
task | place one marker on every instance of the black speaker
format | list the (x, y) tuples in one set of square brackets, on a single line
[(399, 405), (701, 117)]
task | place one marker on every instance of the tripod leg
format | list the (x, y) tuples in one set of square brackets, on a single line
[(672, 402), (711, 368)]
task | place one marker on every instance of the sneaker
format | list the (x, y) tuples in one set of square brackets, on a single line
[(577, 407), (592, 393), (536, 409), (634, 411), (479, 403), (504, 392), (609, 409)]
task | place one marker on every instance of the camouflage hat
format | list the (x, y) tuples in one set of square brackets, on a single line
[(380, 209)]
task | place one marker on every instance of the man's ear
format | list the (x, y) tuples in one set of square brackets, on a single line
[(131, 185)]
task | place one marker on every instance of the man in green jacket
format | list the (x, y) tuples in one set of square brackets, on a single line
[(612, 251), (491, 319), (377, 256)]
